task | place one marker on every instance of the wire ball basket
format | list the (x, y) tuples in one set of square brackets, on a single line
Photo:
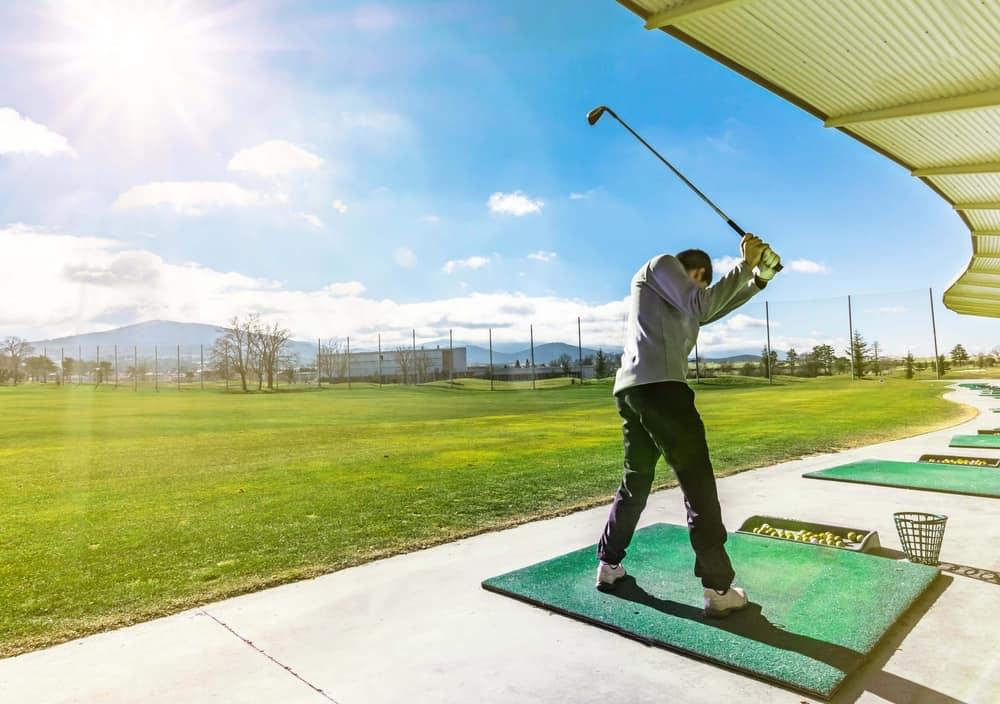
[(921, 535)]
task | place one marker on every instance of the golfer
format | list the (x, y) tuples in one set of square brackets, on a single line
[(670, 300)]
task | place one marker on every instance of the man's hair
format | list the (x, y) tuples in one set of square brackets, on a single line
[(693, 259)]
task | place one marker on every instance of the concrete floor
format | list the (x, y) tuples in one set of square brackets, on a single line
[(418, 627)]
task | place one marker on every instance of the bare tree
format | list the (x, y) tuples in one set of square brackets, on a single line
[(236, 347), (15, 350), (333, 359), (272, 341), (404, 358), (423, 365)]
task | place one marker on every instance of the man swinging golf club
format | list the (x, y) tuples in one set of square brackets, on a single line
[(670, 300)]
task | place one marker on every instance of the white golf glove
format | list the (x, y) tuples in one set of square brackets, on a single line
[(768, 266)]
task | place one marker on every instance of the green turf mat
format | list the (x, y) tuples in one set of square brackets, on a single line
[(952, 479), (815, 612), (991, 441)]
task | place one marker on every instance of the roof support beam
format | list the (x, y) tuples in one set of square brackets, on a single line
[(982, 205), (989, 167), (970, 101), (686, 11)]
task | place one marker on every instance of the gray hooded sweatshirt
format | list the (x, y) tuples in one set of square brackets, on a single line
[(667, 310)]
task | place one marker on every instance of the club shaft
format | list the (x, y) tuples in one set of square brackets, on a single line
[(717, 209)]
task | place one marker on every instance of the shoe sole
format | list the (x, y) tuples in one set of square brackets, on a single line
[(608, 586), (725, 612)]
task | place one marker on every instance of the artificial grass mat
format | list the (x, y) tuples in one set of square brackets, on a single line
[(992, 441), (815, 611), (952, 479)]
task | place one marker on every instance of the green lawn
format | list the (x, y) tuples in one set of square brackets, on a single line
[(120, 506)]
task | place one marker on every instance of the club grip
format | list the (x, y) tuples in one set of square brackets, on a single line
[(739, 230)]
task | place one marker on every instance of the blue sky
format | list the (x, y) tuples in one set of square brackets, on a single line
[(349, 168)]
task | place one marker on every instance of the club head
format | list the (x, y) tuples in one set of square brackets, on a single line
[(594, 115)]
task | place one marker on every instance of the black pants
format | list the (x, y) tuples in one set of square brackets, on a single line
[(660, 419)]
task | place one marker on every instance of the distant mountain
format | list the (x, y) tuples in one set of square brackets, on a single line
[(735, 359), (166, 335)]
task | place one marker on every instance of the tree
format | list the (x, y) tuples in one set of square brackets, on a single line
[(600, 364), (768, 362), (908, 364), (15, 350), (103, 371), (517, 364), (272, 341), (38, 368), (959, 356), (565, 362), (874, 356), (236, 348), (404, 358), (943, 365), (749, 369), (792, 357), (859, 354), (824, 357), (423, 365)]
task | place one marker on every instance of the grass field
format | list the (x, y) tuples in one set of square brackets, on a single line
[(120, 506)]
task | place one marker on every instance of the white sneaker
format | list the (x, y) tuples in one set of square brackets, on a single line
[(608, 576), (719, 605)]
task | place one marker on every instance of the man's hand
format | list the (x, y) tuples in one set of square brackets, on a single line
[(752, 248), (768, 266)]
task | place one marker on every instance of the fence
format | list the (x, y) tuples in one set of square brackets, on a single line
[(863, 335)]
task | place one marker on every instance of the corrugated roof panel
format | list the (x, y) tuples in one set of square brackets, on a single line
[(981, 279), (967, 188), (938, 140), (985, 264), (885, 53), (988, 220), (987, 245)]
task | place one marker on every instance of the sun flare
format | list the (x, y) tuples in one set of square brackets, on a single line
[(139, 66)]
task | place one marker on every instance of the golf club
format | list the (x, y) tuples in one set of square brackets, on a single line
[(594, 115)]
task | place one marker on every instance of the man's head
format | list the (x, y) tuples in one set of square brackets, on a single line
[(698, 266)]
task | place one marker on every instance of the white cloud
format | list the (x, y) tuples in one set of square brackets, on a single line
[(807, 266), (469, 263), (311, 219), (722, 265), (894, 310), (20, 135), (340, 206), (515, 203), (543, 256), (346, 288), (188, 197), (274, 158), (581, 196), (432, 219), (79, 284), (405, 257)]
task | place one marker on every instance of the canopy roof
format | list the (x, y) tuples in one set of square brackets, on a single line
[(917, 81)]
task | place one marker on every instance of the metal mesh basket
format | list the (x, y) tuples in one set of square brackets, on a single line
[(921, 535)]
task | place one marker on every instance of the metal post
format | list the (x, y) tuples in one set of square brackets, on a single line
[(579, 349), (116, 365), (62, 366), (531, 328), (79, 365), (99, 375), (45, 355), (135, 366), (491, 359), (348, 361), (451, 357), (937, 358), (319, 354), (413, 357), (380, 360), (767, 323), (156, 368), (178, 367), (850, 338), (202, 352), (697, 371)]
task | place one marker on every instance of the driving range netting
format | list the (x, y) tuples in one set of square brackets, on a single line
[(953, 479), (992, 441), (816, 612)]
